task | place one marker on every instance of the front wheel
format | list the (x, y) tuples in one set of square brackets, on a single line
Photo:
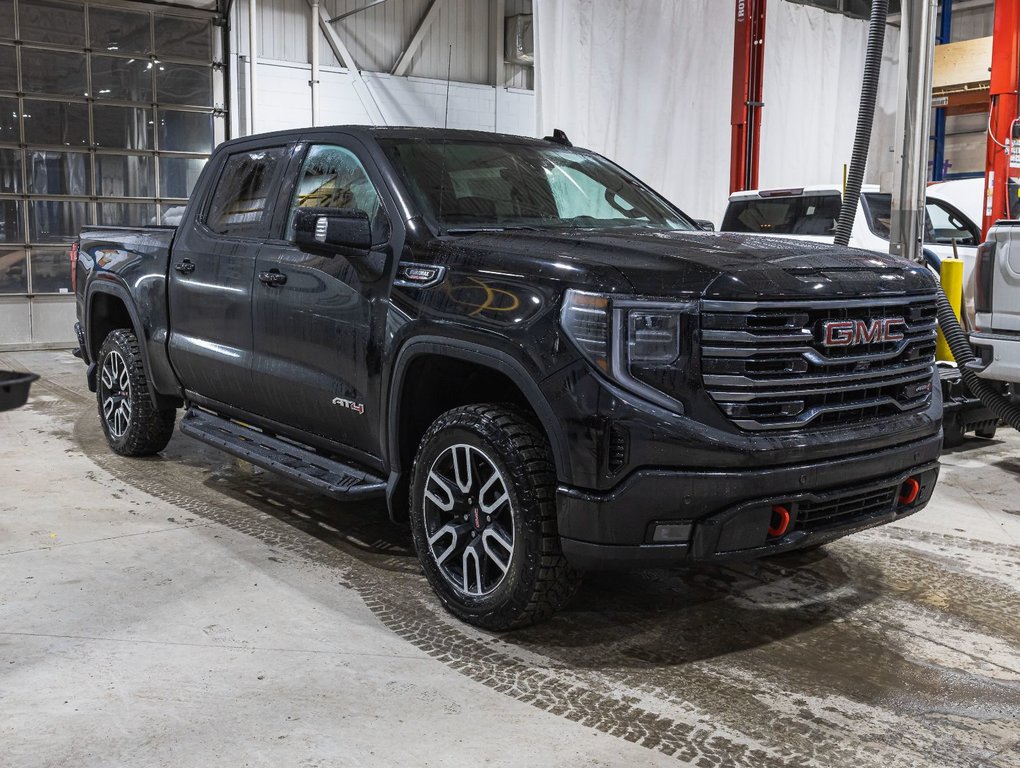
[(483, 518), (132, 424)]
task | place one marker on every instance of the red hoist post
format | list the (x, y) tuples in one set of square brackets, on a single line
[(1002, 161), (748, 72)]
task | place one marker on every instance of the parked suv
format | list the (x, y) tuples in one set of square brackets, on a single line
[(541, 364)]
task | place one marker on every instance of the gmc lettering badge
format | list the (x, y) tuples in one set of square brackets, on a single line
[(849, 333)]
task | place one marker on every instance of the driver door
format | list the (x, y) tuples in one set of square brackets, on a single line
[(316, 365)]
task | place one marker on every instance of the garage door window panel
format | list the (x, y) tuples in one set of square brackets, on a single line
[(122, 127), (127, 214), (125, 79), (241, 204), (56, 123), (43, 21), (184, 38), (185, 131), (7, 20), (53, 72), (59, 173), (10, 170), (119, 31), (12, 221), (13, 269), (53, 221), (184, 84), (8, 68), (125, 175), (178, 175), (50, 271)]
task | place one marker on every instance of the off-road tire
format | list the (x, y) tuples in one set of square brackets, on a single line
[(539, 580), (149, 429)]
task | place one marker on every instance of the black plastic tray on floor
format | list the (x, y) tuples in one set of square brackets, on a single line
[(14, 389)]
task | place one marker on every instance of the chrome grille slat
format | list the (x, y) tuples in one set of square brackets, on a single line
[(764, 365)]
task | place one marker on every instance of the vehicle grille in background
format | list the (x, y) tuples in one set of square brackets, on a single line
[(822, 514), (765, 366)]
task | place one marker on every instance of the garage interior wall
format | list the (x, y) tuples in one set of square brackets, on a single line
[(665, 114), (459, 38)]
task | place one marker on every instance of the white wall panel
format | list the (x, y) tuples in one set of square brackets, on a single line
[(285, 100)]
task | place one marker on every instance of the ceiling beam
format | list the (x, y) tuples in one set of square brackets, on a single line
[(403, 62)]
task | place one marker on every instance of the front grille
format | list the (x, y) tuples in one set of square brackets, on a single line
[(843, 509), (765, 366)]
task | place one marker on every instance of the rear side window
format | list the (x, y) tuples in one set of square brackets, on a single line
[(801, 215), (241, 203)]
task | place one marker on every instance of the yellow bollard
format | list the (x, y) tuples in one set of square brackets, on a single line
[(951, 275)]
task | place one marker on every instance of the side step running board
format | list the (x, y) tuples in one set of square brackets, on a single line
[(301, 465)]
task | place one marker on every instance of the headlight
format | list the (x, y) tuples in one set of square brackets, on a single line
[(633, 342)]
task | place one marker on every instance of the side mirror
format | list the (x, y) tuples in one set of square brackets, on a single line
[(705, 224), (332, 229)]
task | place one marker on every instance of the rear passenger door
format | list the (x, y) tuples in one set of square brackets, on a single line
[(212, 268)]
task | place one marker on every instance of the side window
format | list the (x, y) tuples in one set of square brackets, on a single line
[(946, 226), (333, 177), (241, 203)]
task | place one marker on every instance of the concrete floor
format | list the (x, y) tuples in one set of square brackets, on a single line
[(189, 611)]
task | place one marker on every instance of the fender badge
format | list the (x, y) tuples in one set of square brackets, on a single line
[(358, 408), (411, 275)]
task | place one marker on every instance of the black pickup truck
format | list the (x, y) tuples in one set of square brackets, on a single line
[(542, 365)]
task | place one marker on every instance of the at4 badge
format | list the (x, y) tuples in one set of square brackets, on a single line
[(358, 408)]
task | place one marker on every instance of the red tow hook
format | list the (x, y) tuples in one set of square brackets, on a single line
[(909, 491), (780, 521)]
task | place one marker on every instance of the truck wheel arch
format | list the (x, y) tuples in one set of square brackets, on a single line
[(96, 332), (402, 443)]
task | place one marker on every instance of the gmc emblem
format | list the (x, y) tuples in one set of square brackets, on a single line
[(849, 333)]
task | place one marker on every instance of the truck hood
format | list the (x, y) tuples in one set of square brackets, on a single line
[(721, 265)]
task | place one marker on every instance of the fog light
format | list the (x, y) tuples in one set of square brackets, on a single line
[(671, 533)]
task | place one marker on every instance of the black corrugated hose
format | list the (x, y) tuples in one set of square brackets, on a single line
[(956, 338), (865, 118)]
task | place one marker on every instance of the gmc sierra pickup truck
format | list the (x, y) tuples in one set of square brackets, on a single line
[(542, 365)]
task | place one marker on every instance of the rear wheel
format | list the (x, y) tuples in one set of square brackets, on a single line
[(132, 424), (483, 518)]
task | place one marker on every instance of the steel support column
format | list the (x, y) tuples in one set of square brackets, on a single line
[(945, 33), (748, 74)]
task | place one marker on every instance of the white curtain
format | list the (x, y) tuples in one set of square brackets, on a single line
[(814, 62), (647, 83)]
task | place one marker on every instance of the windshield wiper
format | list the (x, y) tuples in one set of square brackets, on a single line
[(473, 230)]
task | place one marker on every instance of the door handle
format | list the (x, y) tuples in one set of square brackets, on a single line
[(273, 278), (185, 267)]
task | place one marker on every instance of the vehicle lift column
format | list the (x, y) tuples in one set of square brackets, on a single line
[(748, 77), (1002, 163)]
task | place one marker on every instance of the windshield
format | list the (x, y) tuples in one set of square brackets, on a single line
[(467, 185), (793, 215)]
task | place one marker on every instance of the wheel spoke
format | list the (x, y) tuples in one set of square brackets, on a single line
[(462, 467), (470, 553), (447, 530), (108, 407), (107, 376), (492, 540), (490, 508), (444, 504)]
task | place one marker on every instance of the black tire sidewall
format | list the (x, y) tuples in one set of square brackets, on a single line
[(515, 590), (148, 430)]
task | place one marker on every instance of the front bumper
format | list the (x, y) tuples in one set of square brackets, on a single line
[(1001, 353), (729, 512)]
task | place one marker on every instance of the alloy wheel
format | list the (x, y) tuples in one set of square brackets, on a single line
[(116, 394), (469, 520)]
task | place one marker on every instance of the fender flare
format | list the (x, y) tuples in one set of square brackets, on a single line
[(120, 292), (497, 360)]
